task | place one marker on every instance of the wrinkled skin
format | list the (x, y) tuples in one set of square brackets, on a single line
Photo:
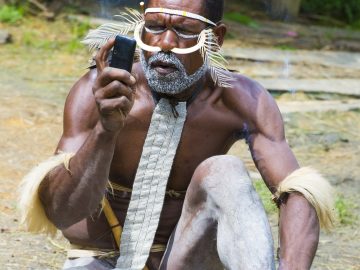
[(107, 115)]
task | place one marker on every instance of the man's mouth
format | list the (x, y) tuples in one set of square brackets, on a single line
[(163, 68)]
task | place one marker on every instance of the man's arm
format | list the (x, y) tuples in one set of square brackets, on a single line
[(299, 225), (95, 112)]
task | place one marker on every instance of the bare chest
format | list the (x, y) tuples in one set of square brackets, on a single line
[(207, 131)]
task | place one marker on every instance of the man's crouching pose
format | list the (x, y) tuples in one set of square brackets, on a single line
[(141, 180)]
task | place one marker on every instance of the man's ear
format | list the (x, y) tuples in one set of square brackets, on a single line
[(220, 31)]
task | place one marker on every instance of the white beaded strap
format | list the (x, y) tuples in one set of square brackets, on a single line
[(179, 13), (149, 189)]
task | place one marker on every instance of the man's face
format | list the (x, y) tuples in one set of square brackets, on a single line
[(168, 33)]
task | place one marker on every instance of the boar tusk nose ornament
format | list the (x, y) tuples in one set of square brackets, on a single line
[(145, 47)]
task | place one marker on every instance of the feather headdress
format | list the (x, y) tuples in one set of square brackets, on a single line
[(134, 21), (97, 38), (211, 52)]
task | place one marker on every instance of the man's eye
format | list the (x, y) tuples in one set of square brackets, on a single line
[(155, 28), (184, 31), (185, 34)]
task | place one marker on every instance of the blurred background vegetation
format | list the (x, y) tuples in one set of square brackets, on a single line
[(343, 10), (250, 21), (337, 12)]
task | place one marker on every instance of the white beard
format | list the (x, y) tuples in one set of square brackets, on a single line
[(173, 83)]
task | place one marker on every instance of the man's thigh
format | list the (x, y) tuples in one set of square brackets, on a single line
[(89, 263), (193, 244), (216, 227)]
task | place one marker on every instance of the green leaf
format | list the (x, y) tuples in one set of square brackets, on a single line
[(10, 14)]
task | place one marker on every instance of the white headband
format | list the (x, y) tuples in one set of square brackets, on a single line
[(179, 13)]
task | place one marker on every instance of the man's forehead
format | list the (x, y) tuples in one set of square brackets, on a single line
[(178, 8), (177, 19), (161, 17), (196, 7)]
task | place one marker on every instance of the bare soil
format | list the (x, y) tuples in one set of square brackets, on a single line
[(34, 83)]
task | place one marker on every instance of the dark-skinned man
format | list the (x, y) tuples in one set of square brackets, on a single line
[(140, 141)]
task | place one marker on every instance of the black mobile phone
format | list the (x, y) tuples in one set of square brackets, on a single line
[(122, 56)]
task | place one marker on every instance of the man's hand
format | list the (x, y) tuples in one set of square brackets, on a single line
[(113, 91), (93, 138)]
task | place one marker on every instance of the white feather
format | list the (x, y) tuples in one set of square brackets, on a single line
[(97, 38), (211, 52)]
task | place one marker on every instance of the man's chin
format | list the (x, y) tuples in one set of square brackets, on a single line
[(165, 87)]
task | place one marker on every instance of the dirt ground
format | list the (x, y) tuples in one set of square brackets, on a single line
[(33, 86)]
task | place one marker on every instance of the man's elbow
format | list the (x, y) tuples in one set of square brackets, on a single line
[(54, 210)]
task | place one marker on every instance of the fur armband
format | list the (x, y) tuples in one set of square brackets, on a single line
[(315, 188), (33, 215)]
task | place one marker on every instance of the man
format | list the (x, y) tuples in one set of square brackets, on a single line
[(109, 119)]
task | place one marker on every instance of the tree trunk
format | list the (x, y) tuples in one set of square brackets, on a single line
[(285, 9)]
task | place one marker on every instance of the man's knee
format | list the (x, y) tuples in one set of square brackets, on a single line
[(222, 177), (221, 171)]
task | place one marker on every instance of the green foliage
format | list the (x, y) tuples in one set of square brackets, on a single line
[(343, 209), (70, 42), (230, 35), (33, 39), (355, 25), (265, 196), (78, 32), (285, 47), (10, 14), (346, 10), (240, 18), (80, 29), (28, 38)]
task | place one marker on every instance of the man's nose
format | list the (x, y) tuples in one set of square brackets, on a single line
[(168, 41)]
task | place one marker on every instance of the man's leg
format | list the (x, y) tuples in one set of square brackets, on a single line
[(223, 222), (89, 263)]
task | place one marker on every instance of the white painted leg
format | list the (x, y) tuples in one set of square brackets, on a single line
[(223, 223), (244, 239)]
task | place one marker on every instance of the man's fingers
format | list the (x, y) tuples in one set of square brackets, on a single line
[(110, 74), (119, 105), (114, 89), (102, 55)]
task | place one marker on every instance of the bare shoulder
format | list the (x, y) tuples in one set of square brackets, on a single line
[(254, 104), (80, 115)]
